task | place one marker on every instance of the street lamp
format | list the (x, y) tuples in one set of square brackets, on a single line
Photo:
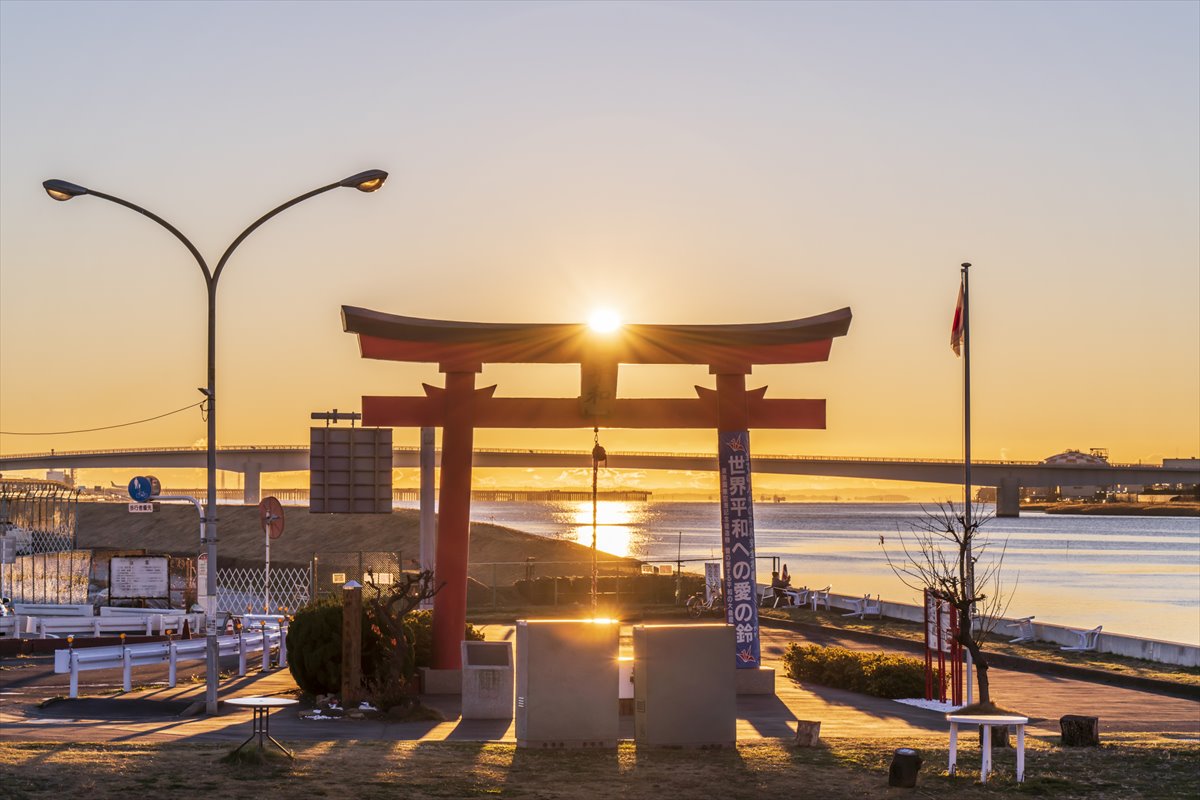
[(368, 181)]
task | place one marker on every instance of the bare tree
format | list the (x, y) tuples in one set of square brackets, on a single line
[(945, 553), (386, 611)]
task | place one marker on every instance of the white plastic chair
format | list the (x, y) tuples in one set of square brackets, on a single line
[(799, 596), (1087, 639), (1023, 628), (864, 606), (818, 596)]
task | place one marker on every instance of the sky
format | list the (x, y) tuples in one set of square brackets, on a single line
[(676, 162)]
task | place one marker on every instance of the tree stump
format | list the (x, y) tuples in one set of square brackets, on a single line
[(808, 733), (1000, 737), (1080, 731)]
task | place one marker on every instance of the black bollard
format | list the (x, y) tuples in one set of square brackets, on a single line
[(906, 763)]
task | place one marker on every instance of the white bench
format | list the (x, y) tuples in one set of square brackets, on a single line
[(126, 657)]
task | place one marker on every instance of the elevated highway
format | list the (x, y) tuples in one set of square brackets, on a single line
[(1006, 476)]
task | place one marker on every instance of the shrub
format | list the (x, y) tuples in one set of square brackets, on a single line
[(315, 647), (314, 642), (879, 674)]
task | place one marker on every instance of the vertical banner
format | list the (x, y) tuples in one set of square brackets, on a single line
[(712, 581), (737, 544)]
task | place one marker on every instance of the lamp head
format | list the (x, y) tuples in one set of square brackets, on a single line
[(62, 190), (368, 181)]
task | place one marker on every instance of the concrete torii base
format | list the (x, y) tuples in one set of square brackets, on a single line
[(441, 681), (754, 681)]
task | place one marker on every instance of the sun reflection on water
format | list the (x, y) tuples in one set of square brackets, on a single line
[(616, 525)]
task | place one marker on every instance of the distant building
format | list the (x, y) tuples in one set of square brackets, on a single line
[(1097, 457)]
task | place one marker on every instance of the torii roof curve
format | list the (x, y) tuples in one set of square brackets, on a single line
[(398, 338)]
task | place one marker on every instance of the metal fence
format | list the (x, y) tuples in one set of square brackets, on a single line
[(40, 515), (331, 570), (241, 590), (569, 583)]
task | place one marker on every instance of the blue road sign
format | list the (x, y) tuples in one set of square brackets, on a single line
[(141, 489)]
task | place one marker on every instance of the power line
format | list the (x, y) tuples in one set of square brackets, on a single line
[(104, 428)]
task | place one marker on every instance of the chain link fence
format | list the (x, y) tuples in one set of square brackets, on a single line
[(241, 590), (40, 515)]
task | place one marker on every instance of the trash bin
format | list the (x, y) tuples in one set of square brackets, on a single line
[(487, 680), (906, 763)]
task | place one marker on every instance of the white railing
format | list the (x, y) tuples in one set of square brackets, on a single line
[(140, 625), (76, 660)]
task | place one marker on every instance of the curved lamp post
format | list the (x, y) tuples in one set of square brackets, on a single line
[(368, 181)]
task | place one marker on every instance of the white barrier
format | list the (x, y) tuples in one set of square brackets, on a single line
[(143, 625), (53, 610), (76, 660)]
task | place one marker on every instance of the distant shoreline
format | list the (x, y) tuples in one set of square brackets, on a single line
[(1184, 509)]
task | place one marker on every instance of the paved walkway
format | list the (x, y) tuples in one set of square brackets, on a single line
[(147, 715)]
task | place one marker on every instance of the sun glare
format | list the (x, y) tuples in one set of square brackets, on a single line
[(614, 529), (604, 320)]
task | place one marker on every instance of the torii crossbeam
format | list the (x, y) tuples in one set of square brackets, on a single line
[(462, 348)]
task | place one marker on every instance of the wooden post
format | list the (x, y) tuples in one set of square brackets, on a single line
[(351, 642)]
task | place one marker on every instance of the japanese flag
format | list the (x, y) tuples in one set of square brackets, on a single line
[(956, 329)]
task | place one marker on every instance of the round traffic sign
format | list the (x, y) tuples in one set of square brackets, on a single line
[(140, 489), (155, 486), (270, 512)]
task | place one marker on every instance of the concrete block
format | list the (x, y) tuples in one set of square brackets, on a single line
[(755, 681), (684, 686), (441, 681), (567, 683), (487, 680)]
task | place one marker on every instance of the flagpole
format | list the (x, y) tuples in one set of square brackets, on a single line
[(967, 532), (966, 344)]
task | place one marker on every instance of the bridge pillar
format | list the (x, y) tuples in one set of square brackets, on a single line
[(251, 484), (1008, 498)]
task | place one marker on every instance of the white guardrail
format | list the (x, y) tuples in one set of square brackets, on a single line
[(113, 625), (126, 657)]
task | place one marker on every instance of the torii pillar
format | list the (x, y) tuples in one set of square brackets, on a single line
[(462, 348)]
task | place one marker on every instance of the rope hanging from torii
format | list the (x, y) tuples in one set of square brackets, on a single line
[(598, 455)]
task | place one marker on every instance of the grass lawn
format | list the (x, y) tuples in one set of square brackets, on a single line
[(1135, 766)]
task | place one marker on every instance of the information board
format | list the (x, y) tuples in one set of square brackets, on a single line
[(131, 577)]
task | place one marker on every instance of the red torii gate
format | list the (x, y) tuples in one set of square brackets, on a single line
[(462, 348)]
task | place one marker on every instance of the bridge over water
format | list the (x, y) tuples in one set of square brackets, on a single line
[(1006, 476)]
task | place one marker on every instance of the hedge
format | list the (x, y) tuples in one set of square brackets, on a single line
[(879, 674)]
